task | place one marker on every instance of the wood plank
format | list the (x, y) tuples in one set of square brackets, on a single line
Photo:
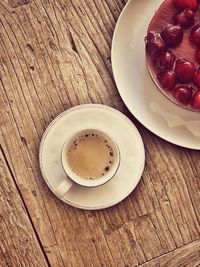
[(16, 3), (19, 245), (54, 55), (188, 255)]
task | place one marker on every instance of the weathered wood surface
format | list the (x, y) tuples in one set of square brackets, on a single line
[(19, 244), (188, 255), (54, 55)]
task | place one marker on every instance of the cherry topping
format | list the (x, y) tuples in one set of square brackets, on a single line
[(172, 35), (165, 61), (185, 19), (198, 55), (185, 70), (196, 99), (183, 94), (184, 4), (197, 77), (154, 43), (195, 34), (167, 79)]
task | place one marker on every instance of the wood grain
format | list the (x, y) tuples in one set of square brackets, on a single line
[(188, 255), (18, 243), (54, 55)]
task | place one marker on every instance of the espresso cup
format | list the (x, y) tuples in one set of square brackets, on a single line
[(90, 157)]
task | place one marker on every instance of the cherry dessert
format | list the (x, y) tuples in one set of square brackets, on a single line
[(172, 35), (184, 4), (167, 79), (197, 78), (185, 70), (165, 60), (185, 19), (173, 51), (196, 99)]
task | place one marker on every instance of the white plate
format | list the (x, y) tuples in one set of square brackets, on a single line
[(138, 91), (113, 123)]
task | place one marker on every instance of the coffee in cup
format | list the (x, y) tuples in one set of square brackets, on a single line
[(90, 156)]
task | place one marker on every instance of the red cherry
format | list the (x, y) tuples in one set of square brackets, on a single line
[(154, 43), (197, 77), (183, 94), (167, 79), (185, 19), (195, 34), (196, 99), (165, 61), (185, 70), (184, 4), (172, 35), (198, 55)]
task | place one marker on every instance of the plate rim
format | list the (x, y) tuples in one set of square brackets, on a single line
[(141, 170), (170, 140)]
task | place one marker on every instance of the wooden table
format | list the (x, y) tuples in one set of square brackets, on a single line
[(56, 54)]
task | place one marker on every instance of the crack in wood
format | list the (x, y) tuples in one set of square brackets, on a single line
[(146, 264), (24, 204), (30, 48), (73, 44)]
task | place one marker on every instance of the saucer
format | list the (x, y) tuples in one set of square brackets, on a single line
[(110, 121)]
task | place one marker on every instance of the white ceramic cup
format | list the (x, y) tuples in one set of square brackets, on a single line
[(72, 177)]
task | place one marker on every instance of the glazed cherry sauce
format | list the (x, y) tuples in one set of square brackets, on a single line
[(173, 51)]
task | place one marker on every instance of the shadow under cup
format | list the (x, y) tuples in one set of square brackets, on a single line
[(86, 147)]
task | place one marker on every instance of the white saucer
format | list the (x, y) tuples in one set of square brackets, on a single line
[(138, 91), (110, 121)]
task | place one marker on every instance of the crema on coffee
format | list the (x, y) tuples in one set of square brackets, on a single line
[(90, 156)]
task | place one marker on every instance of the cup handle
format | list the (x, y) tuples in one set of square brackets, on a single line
[(63, 188)]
